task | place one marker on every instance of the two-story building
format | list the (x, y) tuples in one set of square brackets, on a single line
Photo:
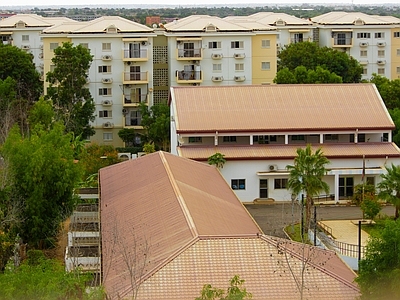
[(121, 74), (259, 128), (373, 40)]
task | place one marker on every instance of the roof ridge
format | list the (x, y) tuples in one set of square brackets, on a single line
[(178, 194)]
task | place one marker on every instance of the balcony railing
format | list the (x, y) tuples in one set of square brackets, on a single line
[(135, 77), (133, 121), (343, 42), (128, 99), (189, 54), (135, 55), (189, 76)]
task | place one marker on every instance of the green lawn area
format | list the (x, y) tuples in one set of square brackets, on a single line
[(294, 233), (374, 229)]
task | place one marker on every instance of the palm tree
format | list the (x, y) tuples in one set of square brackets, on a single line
[(306, 176), (390, 187)]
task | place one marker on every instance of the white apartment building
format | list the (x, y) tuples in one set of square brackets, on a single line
[(369, 39), (23, 31), (120, 76)]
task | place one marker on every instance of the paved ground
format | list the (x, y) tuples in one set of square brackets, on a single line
[(346, 231), (272, 218)]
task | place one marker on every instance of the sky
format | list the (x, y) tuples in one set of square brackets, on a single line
[(99, 3)]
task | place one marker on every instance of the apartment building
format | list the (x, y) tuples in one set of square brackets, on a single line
[(373, 40), (24, 31), (120, 77), (259, 128), (206, 50)]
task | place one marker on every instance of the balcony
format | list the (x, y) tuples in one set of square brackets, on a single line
[(189, 54), (135, 55), (132, 117), (135, 77), (343, 42), (134, 100), (189, 76)]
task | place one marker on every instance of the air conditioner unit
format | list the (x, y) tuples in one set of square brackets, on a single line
[(144, 43), (107, 102), (41, 46), (382, 44), (106, 80), (128, 63), (380, 62), (41, 65), (124, 156), (124, 111), (217, 78), (216, 56), (363, 44), (25, 47), (239, 78), (106, 57), (272, 168), (108, 125), (40, 55), (239, 55)]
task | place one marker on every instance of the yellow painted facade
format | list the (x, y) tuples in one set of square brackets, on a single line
[(395, 68), (264, 58)]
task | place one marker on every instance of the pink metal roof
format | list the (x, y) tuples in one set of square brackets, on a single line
[(181, 218), (289, 151), (279, 108)]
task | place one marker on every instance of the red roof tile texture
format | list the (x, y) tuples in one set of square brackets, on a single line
[(279, 108)]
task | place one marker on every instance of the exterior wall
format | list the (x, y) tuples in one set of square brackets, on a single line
[(395, 50), (262, 54)]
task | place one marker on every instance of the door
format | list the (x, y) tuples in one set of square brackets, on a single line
[(134, 50), (135, 73), (341, 39), (298, 37), (188, 49), (136, 95), (346, 187), (263, 188), (135, 118)]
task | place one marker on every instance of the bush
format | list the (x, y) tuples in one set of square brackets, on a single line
[(369, 190), (370, 207)]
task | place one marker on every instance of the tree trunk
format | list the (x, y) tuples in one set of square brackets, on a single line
[(396, 212), (309, 206)]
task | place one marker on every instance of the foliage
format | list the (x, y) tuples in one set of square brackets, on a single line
[(395, 114), (96, 157), (18, 65), (127, 135), (217, 159), (236, 291), (43, 177), (6, 247), (360, 189), (310, 55), (41, 278), (73, 103), (370, 207), (379, 271), (306, 176), (388, 89), (149, 148), (156, 124), (390, 187), (301, 75), (133, 150)]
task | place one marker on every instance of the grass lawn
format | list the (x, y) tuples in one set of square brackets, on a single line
[(294, 233), (374, 229)]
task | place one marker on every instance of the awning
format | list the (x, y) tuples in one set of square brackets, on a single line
[(6, 32), (189, 39), (135, 39), (299, 30), (269, 173), (342, 30), (375, 171)]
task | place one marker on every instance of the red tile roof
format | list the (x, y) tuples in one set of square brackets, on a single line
[(274, 152), (178, 225), (279, 108)]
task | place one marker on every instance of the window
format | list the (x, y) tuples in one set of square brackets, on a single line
[(239, 67), (363, 35), (363, 53), (106, 46), (214, 45), (105, 114), (398, 70), (331, 137), (361, 138), (229, 139), (385, 137), (104, 69), (261, 139), (265, 44), (265, 65), (299, 137), (381, 53), (107, 136), (381, 71), (238, 184), (237, 44), (53, 46), (398, 52), (371, 180), (280, 183), (195, 139), (105, 91), (84, 45), (379, 35), (25, 38), (365, 71), (217, 67), (396, 34), (346, 186), (263, 188)]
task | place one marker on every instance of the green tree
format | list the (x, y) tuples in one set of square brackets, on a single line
[(127, 135), (390, 187), (388, 89), (310, 55), (73, 103), (362, 190), (306, 176), (379, 271), (301, 75), (43, 177), (395, 114), (217, 159), (370, 207), (235, 291), (156, 124)]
